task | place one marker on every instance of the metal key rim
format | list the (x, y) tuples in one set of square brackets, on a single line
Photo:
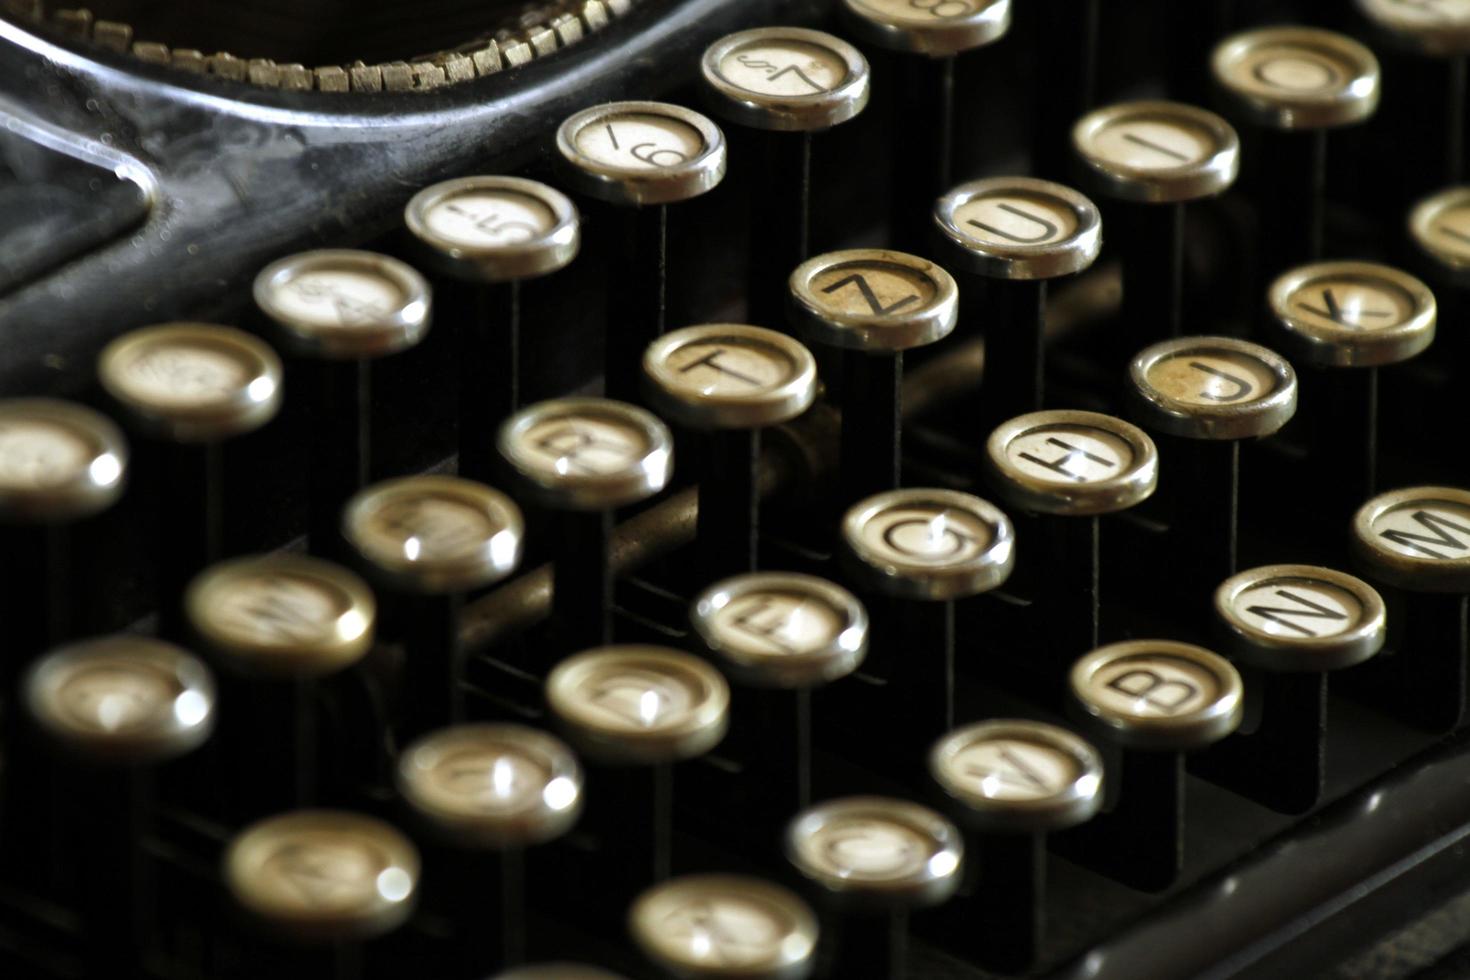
[(628, 185), (1259, 417), (1348, 104), (1132, 486), (943, 38), (835, 659), (1345, 347), (1186, 182), (872, 332), (1080, 801), (797, 113), (1300, 654), (1406, 571), (404, 328), (93, 488), (937, 881), (253, 405), (547, 253), (1195, 729), (1020, 261)]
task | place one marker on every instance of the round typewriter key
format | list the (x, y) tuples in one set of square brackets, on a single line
[(926, 37), (872, 304), (639, 705), (785, 633), (1060, 465), (699, 926), (340, 303), (1299, 618), (871, 859), (638, 157), (1009, 783), (122, 699), (926, 548), (496, 788), (431, 539), (337, 310), (1290, 624), (1439, 226), (1438, 33), (1205, 395), (1416, 541), (279, 622), (1151, 159), (730, 381), (789, 83), (585, 456), (192, 382), (1360, 316), (190, 387), (117, 707), (1353, 314), (60, 463), (1295, 83), (1010, 235), (487, 235), (635, 711), (1440, 27), (1155, 700), (325, 877)]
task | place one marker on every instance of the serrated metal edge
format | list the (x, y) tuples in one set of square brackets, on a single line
[(537, 35)]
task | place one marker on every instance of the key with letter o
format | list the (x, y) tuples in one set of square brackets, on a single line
[(190, 388), (637, 158), (872, 304), (870, 860), (1416, 543), (338, 310), (771, 933), (585, 457), (1009, 236), (1009, 783), (1155, 700), (490, 793), (1293, 85), (1288, 626), (490, 235), (428, 540), (788, 84)]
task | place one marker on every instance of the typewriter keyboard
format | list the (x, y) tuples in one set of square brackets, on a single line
[(932, 489)]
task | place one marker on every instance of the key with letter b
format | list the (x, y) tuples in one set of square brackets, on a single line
[(1154, 700)]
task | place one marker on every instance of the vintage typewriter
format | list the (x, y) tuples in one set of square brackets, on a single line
[(734, 488)]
